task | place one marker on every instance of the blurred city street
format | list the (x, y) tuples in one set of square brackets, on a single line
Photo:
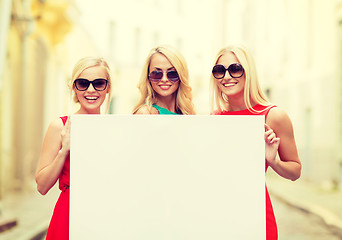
[(297, 47), (298, 224), (303, 212), (31, 211)]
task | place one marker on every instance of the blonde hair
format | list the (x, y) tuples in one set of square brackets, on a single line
[(85, 63), (252, 90), (184, 103)]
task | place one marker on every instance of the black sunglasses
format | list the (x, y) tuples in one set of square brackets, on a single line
[(82, 84), (235, 70), (157, 75)]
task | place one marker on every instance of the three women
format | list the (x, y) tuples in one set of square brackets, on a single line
[(164, 88)]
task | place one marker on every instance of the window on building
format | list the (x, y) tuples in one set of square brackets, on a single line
[(268, 93), (156, 38), (112, 41), (340, 82), (137, 45)]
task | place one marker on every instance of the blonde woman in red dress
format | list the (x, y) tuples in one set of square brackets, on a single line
[(91, 85), (236, 91)]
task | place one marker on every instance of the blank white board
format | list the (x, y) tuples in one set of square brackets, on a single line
[(167, 177)]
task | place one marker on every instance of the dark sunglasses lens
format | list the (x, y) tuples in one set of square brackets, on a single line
[(156, 75), (172, 76), (219, 71), (82, 84), (100, 84), (235, 70)]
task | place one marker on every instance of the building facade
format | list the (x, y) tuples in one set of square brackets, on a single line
[(297, 46), (29, 57)]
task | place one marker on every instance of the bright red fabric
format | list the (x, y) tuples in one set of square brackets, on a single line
[(271, 224), (59, 224)]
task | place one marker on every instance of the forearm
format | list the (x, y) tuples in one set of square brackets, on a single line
[(288, 169), (48, 176)]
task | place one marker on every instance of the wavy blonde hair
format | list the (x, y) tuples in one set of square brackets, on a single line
[(85, 63), (184, 103), (252, 90)]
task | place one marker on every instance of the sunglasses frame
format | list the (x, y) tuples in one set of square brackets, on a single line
[(158, 80), (90, 82), (228, 69)]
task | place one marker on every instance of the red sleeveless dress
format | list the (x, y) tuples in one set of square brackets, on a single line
[(59, 224), (271, 224)]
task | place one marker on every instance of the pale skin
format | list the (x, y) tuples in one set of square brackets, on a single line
[(278, 125), (288, 164), (56, 145), (165, 90)]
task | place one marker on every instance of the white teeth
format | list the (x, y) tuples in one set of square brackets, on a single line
[(91, 98), (229, 84)]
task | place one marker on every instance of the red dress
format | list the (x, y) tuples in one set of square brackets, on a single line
[(271, 225), (59, 224)]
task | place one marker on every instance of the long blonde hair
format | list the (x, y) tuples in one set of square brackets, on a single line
[(184, 103), (85, 63), (252, 90)]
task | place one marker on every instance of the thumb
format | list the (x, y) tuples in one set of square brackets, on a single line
[(267, 127)]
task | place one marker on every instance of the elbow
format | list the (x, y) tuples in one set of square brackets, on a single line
[(297, 173), (41, 189), (295, 177)]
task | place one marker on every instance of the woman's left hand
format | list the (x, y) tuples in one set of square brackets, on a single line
[(271, 145)]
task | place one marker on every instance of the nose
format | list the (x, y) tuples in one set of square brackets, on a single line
[(91, 88), (226, 75), (164, 78)]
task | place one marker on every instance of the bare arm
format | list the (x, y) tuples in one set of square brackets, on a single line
[(289, 165), (56, 147)]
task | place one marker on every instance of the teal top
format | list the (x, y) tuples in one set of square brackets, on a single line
[(163, 110)]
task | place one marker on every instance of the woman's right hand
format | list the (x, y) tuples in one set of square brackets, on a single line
[(65, 136)]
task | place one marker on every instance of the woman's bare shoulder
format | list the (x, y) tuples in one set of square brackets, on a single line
[(278, 118), (56, 125), (145, 110)]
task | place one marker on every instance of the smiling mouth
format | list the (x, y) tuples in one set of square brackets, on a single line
[(91, 98), (164, 87), (230, 84)]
